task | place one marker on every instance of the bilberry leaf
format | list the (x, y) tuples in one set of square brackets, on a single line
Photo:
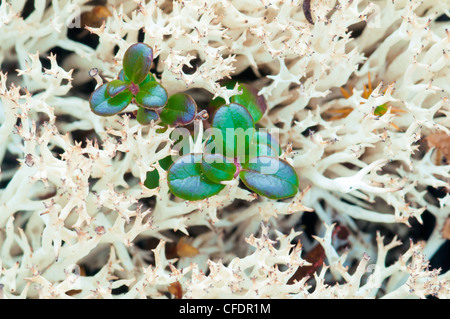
[(145, 116), (381, 110), (152, 179), (235, 120), (102, 104), (217, 168), (254, 103), (150, 78), (264, 143), (270, 177), (261, 150), (179, 110), (137, 62), (123, 77), (187, 181), (166, 162), (115, 87), (151, 95)]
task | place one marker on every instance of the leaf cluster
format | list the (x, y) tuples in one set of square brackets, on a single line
[(235, 149)]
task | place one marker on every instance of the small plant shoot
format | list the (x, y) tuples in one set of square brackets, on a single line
[(235, 150)]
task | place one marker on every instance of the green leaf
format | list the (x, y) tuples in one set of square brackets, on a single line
[(217, 168), (262, 150), (150, 78), (263, 144), (218, 101), (166, 162), (123, 77), (115, 87), (381, 110), (151, 95), (237, 121), (187, 181), (254, 103), (145, 116), (152, 177), (137, 62), (162, 129), (180, 110), (270, 177), (102, 104), (264, 137)]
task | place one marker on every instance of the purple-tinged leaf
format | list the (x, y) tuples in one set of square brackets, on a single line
[(218, 168), (137, 62), (102, 104), (255, 104)]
